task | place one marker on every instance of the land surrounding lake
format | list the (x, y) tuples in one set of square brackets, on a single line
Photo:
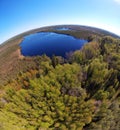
[(78, 92)]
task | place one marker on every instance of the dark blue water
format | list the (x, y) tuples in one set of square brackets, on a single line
[(50, 43)]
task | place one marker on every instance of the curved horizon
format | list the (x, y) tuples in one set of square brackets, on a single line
[(20, 16), (58, 25)]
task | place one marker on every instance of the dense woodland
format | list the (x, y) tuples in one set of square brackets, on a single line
[(81, 92)]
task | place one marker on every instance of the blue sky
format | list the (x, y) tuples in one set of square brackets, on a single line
[(17, 16)]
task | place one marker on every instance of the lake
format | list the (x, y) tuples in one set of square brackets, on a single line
[(63, 29), (50, 43)]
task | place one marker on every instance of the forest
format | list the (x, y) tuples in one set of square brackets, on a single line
[(81, 92)]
